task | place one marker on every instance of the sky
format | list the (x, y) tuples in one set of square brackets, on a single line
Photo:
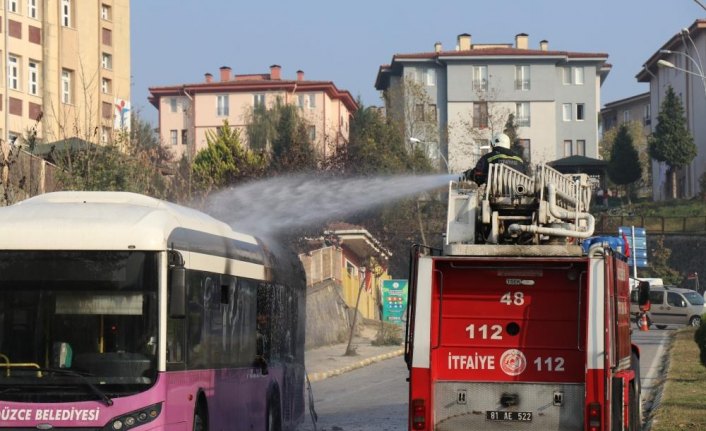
[(175, 42)]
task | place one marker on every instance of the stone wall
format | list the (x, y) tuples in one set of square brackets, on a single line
[(328, 318)]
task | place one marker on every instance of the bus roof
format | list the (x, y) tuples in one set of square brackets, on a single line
[(81, 220)]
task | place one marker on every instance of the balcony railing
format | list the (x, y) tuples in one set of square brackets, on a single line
[(522, 121), (480, 85)]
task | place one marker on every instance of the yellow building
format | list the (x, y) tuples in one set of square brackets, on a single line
[(188, 111), (349, 257), (67, 66)]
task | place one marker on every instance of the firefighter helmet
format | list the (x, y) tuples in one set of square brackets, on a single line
[(500, 140)]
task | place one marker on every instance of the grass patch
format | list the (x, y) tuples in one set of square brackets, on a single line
[(683, 404)]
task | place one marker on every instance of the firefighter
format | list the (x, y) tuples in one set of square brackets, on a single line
[(501, 153)]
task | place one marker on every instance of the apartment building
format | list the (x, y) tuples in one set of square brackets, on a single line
[(468, 94), (678, 64), (188, 111), (67, 69), (633, 108)]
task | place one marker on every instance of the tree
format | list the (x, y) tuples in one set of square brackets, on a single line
[(292, 149), (659, 266), (624, 164), (511, 131), (639, 140), (671, 142), (225, 161), (377, 147)]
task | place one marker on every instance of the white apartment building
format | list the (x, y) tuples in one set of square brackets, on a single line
[(685, 51), (469, 93)]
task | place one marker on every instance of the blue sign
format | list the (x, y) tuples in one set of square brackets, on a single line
[(637, 240)]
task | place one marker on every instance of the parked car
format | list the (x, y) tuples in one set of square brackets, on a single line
[(670, 305)]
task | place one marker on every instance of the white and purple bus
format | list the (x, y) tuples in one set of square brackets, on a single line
[(119, 312)]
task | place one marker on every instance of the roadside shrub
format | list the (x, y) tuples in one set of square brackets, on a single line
[(388, 335), (700, 339)]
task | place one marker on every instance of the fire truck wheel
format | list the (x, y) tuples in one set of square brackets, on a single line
[(635, 424), (635, 395)]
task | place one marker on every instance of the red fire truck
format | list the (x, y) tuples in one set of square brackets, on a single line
[(522, 321)]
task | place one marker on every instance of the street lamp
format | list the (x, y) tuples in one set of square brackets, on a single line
[(416, 141), (669, 65)]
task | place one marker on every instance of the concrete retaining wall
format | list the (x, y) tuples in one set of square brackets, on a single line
[(328, 318)]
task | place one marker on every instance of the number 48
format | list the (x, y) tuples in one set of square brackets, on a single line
[(518, 298)]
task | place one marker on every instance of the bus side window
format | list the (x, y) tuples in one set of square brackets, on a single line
[(175, 341)]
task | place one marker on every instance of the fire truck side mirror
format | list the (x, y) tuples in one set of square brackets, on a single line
[(644, 296)]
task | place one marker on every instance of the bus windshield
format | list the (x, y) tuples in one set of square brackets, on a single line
[(77, 325)]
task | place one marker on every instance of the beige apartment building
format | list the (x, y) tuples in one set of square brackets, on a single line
[(67, 69), (188, 111)]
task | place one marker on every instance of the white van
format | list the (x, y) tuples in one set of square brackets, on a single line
[(670, 305)]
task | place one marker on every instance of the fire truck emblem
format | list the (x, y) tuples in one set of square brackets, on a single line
[(513, 362)]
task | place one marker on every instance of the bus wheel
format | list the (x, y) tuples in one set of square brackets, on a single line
[(274, 421), (200, 418)]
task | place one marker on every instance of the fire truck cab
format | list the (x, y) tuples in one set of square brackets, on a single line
[(522, 321)]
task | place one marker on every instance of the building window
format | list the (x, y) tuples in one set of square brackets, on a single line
[(107, 112), (567, 148), (566, 75), (566, 111), (32, 11), (259, 100), (301, 101), (522, 78), (173, 104), (174, 137), (106, 86), (480, 78), (107, 36), (312, 133), (580, 112), (626, 116), (432, 112), (647, 119), (107, 61), (222, 105), (106, 12), (480, 114), (33, 78), (13, 72), (105, 135), (312, 101), (578, 75), (431, 77), (581, 147), (12, 6), (66, 13), (184, 139), (66, 86), (522, 114)]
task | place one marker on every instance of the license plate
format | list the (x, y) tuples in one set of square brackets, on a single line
[(508, 416)]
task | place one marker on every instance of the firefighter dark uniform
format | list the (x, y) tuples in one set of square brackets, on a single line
[(501, 153)]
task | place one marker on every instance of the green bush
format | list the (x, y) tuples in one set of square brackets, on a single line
[(700, 339), (388, 335)]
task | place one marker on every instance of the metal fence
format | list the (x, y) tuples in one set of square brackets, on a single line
[(653, 224)]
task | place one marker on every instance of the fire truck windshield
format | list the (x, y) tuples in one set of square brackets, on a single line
[(77, 325)]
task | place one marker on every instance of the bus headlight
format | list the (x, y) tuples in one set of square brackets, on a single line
[(134, 418)]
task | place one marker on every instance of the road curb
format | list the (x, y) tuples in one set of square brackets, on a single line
[(315, 377)]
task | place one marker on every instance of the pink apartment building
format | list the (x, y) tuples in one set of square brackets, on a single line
[(187, 111)]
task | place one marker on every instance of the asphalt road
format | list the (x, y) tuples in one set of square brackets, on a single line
[(374, 398)]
